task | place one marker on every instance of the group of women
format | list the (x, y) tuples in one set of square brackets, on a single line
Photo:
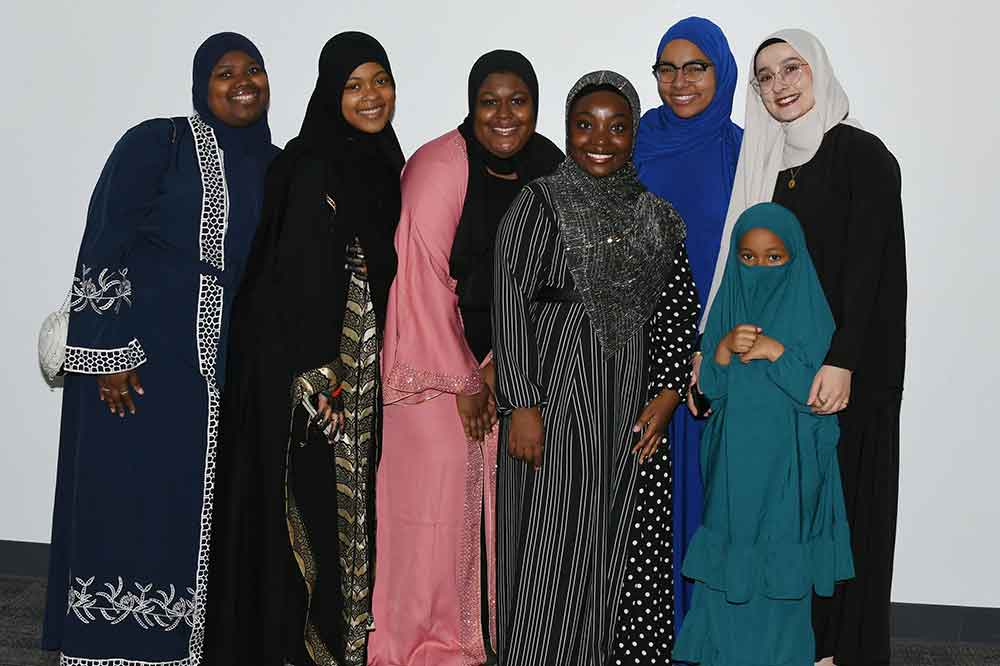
[(426, 415)]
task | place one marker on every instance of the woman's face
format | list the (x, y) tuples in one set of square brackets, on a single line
[(686, 98), (238, 91), (504, 115), (784, 81), (369, 98), (762, 247), (600, 132)]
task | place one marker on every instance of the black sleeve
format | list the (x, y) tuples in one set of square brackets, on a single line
[(673, 330), (876, 216)]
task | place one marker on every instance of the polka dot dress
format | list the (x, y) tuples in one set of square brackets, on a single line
[(644, 632)]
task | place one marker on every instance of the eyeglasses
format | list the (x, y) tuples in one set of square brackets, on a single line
[(790, 73), (693, 71)]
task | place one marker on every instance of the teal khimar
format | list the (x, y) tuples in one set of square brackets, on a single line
[(774, 526)]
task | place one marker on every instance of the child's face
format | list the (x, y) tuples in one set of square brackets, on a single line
[(761, 247)]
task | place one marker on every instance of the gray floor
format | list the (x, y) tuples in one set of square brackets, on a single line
[(23, 599)]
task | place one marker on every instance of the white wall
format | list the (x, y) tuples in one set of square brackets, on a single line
[(920, 75)]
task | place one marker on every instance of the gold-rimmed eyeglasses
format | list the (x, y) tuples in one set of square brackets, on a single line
[(789, 73), (693, 71)]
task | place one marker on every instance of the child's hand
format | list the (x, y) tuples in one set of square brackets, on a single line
[(764, 348), (742, 338)]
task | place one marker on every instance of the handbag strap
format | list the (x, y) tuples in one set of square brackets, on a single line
[(64, 308)]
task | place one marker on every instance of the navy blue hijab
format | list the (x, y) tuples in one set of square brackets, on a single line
[(691, 162), (253, 139)]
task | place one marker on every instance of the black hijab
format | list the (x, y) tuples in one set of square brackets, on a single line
[(325, 126), (471, 261), (332, 184)]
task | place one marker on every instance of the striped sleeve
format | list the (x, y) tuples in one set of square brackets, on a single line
[(517, 265)]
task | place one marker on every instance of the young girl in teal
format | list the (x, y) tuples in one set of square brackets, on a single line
[(774, 525)]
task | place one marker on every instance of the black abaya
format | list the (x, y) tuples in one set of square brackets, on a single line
[(292, 560), (848, 200)]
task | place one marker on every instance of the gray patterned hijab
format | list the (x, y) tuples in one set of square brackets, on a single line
[(619, 238)]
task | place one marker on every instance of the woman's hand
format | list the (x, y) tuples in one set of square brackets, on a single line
[(653, 421), (831, 390), (764, 348), (489, 374), (354, 260), (527, 436), (114, 391), (474, 411), (693, 386), (330, 411)]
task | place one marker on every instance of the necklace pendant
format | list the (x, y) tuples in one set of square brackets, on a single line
[(791, 184)]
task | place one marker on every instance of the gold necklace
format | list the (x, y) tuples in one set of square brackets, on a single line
[(791, 181)]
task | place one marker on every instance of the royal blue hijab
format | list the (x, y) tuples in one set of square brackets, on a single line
[(691, 162)]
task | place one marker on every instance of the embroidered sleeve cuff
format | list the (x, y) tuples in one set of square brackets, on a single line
[(408, 380), (86, 361), (314, 381)]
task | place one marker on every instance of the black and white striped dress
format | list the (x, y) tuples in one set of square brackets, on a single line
[(573, 541)]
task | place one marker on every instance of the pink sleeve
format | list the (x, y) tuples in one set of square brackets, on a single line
[(425, 353)]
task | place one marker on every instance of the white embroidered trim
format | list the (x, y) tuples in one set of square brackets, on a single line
[(66, 660), (111, 290), (150, 609), (215, 194), (214, 220), (86, 361)]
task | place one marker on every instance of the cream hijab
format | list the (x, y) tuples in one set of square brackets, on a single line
[(770, 146)]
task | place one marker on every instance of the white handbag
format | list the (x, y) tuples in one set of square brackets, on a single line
[(52, 340)]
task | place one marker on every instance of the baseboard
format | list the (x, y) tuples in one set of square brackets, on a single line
[(946, 624), (923, 622), (23, 558)]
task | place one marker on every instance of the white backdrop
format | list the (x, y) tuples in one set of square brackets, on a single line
[(920, 75)]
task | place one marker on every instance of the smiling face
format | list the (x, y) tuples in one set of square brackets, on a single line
[(600, 132), (776, 69), (504, 116), (369, 98), (685, 98), (238, 90), (762, 247)]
